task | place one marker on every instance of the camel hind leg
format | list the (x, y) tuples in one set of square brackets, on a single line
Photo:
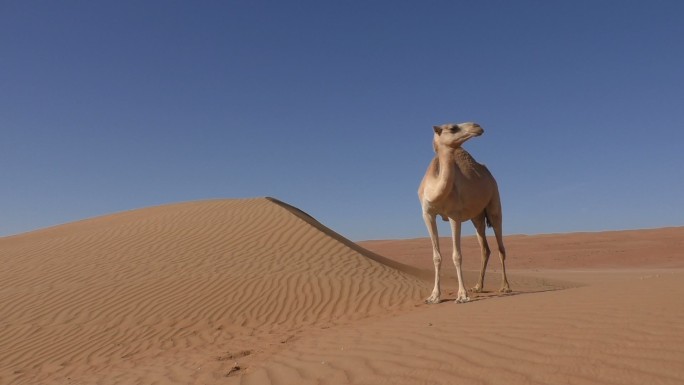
[(493, 214), (498, 232), (505, 288), (480, 227)]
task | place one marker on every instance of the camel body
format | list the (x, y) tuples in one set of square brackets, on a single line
[(470, 190)]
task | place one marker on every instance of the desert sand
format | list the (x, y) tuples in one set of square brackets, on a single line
[(255, 291)]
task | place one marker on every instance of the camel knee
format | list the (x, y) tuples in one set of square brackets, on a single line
[(437, 259), (457, 258)]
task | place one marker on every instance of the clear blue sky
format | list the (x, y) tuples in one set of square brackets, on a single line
[(110, 106)]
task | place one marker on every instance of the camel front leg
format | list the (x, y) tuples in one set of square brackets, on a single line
[(431, 224), (456, 230)]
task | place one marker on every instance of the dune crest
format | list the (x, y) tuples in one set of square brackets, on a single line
[(163, 288)]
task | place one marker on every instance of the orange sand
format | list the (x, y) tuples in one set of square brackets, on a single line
[(255, 292)]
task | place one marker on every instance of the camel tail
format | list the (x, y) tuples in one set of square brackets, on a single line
[(488, 221)]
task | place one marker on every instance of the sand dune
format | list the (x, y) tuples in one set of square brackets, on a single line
[(255, 291), (144, 294)]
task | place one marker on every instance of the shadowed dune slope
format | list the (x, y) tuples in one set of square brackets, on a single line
[(87, 295)]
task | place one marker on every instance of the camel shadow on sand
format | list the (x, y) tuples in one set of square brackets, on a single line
[(490, 294)]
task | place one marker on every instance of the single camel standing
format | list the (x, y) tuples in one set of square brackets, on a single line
[(456, 187)]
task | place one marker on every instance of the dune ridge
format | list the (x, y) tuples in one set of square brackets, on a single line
[(166, 287)]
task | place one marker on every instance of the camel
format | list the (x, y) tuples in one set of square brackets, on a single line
[(458, 189)]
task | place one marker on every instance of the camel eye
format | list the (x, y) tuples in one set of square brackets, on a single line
[(454, 129)]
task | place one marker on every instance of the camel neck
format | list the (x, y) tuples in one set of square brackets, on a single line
[(446, 158), (444, 175), (460, 161), (450, 151), (448, 155)]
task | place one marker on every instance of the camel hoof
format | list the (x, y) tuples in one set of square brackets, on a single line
[(462, 300), (505, 289), (477, 289), (431, 300)]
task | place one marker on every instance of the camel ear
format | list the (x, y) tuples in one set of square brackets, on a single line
[(438, 130)]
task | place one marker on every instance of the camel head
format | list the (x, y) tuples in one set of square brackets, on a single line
[(454, 135)]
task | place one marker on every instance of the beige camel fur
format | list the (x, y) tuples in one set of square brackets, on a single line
[(456, 187)]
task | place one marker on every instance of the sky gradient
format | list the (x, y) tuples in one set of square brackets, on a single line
[(329, 106)]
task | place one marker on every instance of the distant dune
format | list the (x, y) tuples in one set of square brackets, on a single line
[(255, 291), (652, 248)]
